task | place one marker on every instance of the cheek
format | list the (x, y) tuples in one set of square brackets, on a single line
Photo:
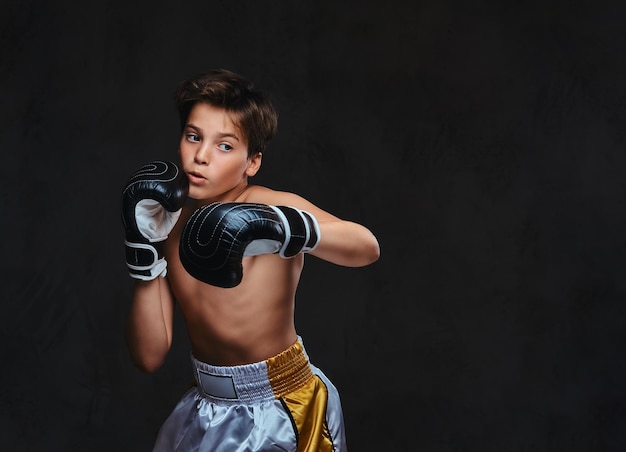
[(232, 164), (184, 152)]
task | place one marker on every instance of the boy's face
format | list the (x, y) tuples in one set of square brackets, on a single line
[(214, 155)]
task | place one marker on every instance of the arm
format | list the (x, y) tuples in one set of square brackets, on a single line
[(342, 242), (346, 243), (218, 236), (151, 204), (149, 324)]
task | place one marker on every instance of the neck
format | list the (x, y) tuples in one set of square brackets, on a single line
[(235, 195)]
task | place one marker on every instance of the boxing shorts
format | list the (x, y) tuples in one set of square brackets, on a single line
[(281, 404)]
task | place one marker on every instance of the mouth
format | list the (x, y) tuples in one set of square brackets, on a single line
[(195, 177)]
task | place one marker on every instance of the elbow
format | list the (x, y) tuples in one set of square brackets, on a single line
[(376, 253), (147, 363), (372, 252), (368, 253), (146, 352), (147, 366)]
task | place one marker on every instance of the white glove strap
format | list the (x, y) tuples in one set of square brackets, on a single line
[(312, 221), (158, 267), (308, 220)]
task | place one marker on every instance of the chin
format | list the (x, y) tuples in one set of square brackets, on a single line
[(198, 198), (195, 194)]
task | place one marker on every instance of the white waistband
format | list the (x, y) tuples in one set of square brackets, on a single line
[(254, 383)]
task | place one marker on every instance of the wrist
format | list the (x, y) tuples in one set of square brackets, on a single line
[(145, 261)]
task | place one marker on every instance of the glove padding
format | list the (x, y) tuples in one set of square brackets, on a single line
[(151, 204), (217, 237)]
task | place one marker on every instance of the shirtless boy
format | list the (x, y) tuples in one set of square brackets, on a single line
[(230, 254)]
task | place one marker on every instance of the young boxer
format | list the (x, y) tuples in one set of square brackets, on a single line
[(230, 254)]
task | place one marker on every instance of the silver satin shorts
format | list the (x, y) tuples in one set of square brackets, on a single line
[(281, 404)]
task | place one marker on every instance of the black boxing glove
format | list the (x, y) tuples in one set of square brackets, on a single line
[(218, 236), (151, 204)]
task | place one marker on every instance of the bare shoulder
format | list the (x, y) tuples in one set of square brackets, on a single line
[(265, 195)]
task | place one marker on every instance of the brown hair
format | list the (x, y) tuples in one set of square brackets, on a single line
[(250, 109)]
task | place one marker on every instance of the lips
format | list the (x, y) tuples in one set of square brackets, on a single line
[(195, 177)]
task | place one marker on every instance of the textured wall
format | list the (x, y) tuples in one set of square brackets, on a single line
[(482, 143)]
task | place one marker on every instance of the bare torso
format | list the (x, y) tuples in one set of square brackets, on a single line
[(244, 324)]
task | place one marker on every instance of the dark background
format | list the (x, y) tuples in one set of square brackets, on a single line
[(482, 142)]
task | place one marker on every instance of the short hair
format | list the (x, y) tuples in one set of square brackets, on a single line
[(250, 109)]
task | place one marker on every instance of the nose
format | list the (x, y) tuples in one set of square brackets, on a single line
[(201, 156)]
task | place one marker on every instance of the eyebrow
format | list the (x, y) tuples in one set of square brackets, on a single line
[(220, 135), (228, 135)]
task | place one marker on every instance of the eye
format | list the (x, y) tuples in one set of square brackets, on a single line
[(193, 137), (225, 147)]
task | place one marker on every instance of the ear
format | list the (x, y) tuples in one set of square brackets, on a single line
[(254, 163)]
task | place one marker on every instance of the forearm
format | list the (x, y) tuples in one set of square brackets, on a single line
[(149, 324), (346, 243)]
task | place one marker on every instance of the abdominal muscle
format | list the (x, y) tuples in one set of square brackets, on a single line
[(244, 324)]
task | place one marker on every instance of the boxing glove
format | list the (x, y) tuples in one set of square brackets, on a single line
[(217, 237), (151, 204)]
